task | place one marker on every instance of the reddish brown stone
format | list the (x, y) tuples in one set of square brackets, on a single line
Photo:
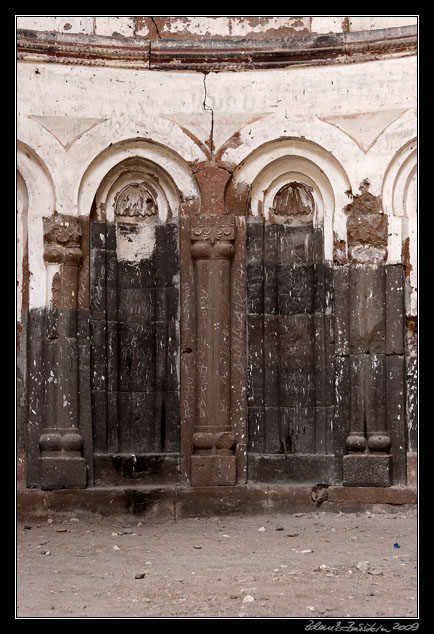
[(366, 228), (212, 182), (365, 202), (237, 195), (406, 257)]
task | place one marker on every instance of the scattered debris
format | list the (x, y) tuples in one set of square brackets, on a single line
[(396, 545), (262, 529), (248, 598), (330, 572), (363, 566), (302, 552)]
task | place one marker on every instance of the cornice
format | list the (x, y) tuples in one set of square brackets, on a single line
[(215, 55)]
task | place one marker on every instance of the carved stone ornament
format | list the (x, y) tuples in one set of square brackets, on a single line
[(213, 229), (365, 202), (62, 238), (367, 227), (61, 229), (212, 237), (293, 204), (135, 201)]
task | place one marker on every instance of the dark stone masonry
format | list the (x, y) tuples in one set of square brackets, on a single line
[(211, 316)]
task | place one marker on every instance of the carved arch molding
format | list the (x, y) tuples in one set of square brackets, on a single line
[(216, 348)]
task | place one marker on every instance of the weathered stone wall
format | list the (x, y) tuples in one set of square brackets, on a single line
[(136, 137), (208, 28)]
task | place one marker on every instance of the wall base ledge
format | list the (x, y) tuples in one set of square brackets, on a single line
[(176, 502)]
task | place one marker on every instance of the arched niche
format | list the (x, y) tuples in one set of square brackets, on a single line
[(37, 196), (21, 242), (135, 191), (400, 200), (398, 177), (137, 160), (293, 193), (268, 168)]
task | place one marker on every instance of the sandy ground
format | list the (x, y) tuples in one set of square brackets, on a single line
[(306, 565)]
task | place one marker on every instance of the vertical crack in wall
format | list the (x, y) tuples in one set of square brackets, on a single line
[(210, 141), (156, 27)]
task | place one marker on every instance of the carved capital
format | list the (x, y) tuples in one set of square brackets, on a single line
[(212, 237), (62, 239)]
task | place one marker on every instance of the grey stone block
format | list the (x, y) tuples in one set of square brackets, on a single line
[(63, 473), (367, 470), (367, 309), (395, 309)]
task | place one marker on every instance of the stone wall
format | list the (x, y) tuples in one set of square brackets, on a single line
[(209, 28), (217, 256)]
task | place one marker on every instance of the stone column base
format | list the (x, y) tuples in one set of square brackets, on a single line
[(63, 473), (367, 470), (213, 470)]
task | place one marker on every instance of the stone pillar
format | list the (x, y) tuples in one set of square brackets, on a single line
[(368, 461), (62, 464), (212, 248)]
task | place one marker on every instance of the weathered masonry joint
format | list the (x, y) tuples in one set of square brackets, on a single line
[(217, 254)]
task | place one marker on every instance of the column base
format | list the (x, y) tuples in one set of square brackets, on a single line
[(63, 473), (213, 470), (367, 470)]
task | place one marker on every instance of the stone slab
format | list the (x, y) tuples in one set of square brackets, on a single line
[(292, 468), (63, 473), (174, 503), (118, 469), (366, 470), (213, 470)]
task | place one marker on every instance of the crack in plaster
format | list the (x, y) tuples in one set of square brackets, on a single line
[(207, 108), (156, 27)]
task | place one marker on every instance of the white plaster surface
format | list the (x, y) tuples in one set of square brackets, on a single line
[(212, 26), (336, 125), (134, 248)]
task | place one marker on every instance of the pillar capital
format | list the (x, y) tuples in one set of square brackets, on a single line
[(212, 237), (62, 239)]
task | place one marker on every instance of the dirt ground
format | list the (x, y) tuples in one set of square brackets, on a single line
[(304, 565)]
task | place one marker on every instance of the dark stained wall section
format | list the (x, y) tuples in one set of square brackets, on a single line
[(134, 355), (290, 354)]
